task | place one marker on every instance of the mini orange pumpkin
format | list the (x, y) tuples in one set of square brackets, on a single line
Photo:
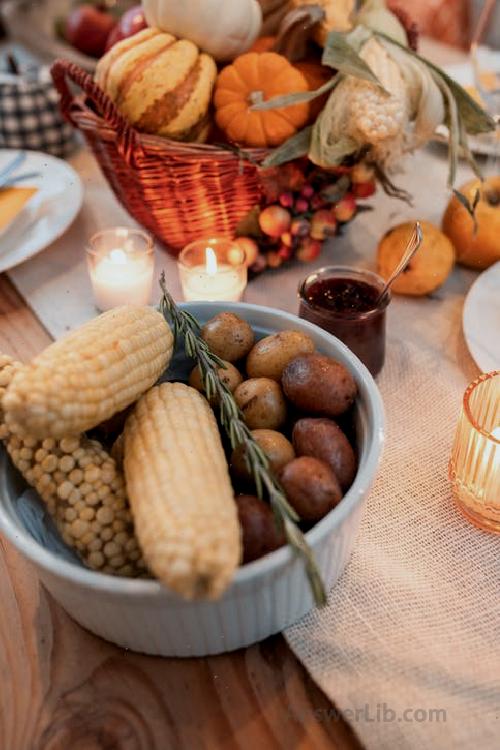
[(252, 78)]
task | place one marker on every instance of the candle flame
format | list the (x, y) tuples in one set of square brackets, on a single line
[(210, 261), (118, 256)]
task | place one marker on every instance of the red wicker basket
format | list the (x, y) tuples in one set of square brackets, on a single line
[(178, 191)]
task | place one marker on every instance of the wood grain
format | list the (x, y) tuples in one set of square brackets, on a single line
[(61, 688)]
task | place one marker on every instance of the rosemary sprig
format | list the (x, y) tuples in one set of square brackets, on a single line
[(187, 327)]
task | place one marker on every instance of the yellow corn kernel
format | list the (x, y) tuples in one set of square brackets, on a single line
[(88, 376), (180, 492), (82, 519)]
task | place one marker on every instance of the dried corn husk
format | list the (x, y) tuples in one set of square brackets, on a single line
[(427, 109), (361, 114), (376, 16)]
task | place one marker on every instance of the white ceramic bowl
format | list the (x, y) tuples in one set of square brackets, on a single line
[(266, 596)]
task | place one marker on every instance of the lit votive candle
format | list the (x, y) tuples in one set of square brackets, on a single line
[(121, 267), (475, 458), (213, 270)]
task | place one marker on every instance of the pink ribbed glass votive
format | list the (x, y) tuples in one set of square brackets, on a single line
[(475, 458)]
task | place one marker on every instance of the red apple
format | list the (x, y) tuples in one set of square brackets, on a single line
[(345, 209), (130, 23), (275, 221), (309, 250), (88, 28), (364, 189), (323, 224)]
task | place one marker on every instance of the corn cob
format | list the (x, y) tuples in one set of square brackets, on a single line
[(83, 490), (96, 371), (377, 116), (180, 492), (361, 111)]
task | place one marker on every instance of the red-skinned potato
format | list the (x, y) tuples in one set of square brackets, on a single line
[(260, 535), (323, 439), (319, 385), (311, 487)]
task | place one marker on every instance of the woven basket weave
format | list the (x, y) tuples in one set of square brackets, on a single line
[(178, 191)]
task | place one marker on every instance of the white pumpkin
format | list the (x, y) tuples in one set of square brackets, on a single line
[(223, 28)]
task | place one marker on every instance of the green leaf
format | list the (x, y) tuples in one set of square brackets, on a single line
[(322, 151), (469, 207), (467, 153), (453, 123), (342, 56), (288, 100), (293, 148), (475, 119)]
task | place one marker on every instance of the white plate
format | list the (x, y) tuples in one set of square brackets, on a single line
[(51, 211), (486, 144), (481, 319)]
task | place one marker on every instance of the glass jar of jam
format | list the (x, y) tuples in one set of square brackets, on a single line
[(344, 302)]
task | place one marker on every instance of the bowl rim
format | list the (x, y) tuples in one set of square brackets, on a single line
[(57, 566)]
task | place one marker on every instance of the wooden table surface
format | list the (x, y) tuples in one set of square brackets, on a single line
[(62, 688)]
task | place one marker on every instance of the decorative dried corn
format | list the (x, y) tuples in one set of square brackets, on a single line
[(83, 490), (180, 491), (375, 115), (89, 375), (360, 115)]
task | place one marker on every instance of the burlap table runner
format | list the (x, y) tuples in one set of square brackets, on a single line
[(409, 644), (414, 623)]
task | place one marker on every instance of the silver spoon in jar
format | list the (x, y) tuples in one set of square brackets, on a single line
[(413, 244)]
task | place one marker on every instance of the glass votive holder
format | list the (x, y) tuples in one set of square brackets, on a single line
[(121, 267), (213, 270), (475, 458), (345, 302)]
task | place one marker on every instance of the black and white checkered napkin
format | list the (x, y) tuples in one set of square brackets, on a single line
[(30, 117)]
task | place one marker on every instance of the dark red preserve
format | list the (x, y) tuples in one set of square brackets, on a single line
[(344, 302)]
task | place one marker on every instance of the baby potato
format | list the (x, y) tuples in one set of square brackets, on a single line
[(318, 384), (230, 376), (262, 403), (311, 487), (278, 449), (260, 534), (323, 439), (228, 336), (270, 356)]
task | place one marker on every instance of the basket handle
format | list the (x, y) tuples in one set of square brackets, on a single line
[(128, 143)]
